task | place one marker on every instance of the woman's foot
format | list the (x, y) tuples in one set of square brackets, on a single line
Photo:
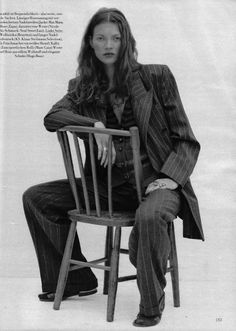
[(50, 296), (145, 321)]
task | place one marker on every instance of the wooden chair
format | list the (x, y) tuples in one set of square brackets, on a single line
[(113, 221)]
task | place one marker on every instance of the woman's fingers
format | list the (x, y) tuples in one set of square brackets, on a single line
[(102, 144), (113, 154), (99, 151), (104, 157), (162, 183)]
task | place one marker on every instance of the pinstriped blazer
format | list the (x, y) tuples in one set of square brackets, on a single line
[(164, 128)]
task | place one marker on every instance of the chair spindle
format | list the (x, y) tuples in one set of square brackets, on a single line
[(110, 208), (137, 161), (66, 152), (95, 185), (81, 169)]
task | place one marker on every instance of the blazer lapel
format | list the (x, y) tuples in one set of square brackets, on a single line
[(142, 100)]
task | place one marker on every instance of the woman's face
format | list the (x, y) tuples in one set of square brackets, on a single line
[(106, 41)]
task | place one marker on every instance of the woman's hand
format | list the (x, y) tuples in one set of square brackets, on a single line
[(102, 143), (160, 184)]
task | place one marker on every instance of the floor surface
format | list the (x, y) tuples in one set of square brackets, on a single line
[(207, 288)]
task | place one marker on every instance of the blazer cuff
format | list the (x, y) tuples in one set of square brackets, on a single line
[(173, 172)]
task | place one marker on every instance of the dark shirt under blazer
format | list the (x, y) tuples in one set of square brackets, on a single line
[(164, 130)]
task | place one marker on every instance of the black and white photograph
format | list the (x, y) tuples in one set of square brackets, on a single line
[(118, 165)]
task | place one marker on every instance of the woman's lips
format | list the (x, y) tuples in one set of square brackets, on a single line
[(109, 54)]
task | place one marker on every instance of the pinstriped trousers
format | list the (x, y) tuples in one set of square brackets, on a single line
[(149, 247), (46, 207)]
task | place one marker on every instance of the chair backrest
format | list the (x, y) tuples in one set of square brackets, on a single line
[(88, 132)]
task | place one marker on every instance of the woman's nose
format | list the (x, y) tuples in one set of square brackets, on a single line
[(109, 43)]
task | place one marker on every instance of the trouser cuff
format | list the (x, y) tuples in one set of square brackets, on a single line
[(153, 310)]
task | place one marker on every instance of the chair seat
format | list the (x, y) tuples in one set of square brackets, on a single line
[(117, 219)]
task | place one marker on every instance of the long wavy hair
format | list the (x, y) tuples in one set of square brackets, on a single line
[(93, 82)]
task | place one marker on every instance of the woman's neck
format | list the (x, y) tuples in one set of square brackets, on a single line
[(110, 74)]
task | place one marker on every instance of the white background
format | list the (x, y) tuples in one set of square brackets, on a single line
[(196, 39)]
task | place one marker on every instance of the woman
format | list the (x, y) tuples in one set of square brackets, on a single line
[(113, 90)]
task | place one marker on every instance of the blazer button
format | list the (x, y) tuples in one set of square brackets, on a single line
[(120, 149)]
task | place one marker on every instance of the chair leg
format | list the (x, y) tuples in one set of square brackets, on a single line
[(61, 283), (113, 281), (108, 250), (174, 265)]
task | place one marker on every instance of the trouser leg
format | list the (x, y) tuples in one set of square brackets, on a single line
[(46, 207), (149, 247)]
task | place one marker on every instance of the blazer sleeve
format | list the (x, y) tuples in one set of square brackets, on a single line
[(67, 112), (183, 157)]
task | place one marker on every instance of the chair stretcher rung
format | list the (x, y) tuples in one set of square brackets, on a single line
[(75, 267), (92, 264), (124, 278), (169, 269), (124, 251), (103, 259)]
